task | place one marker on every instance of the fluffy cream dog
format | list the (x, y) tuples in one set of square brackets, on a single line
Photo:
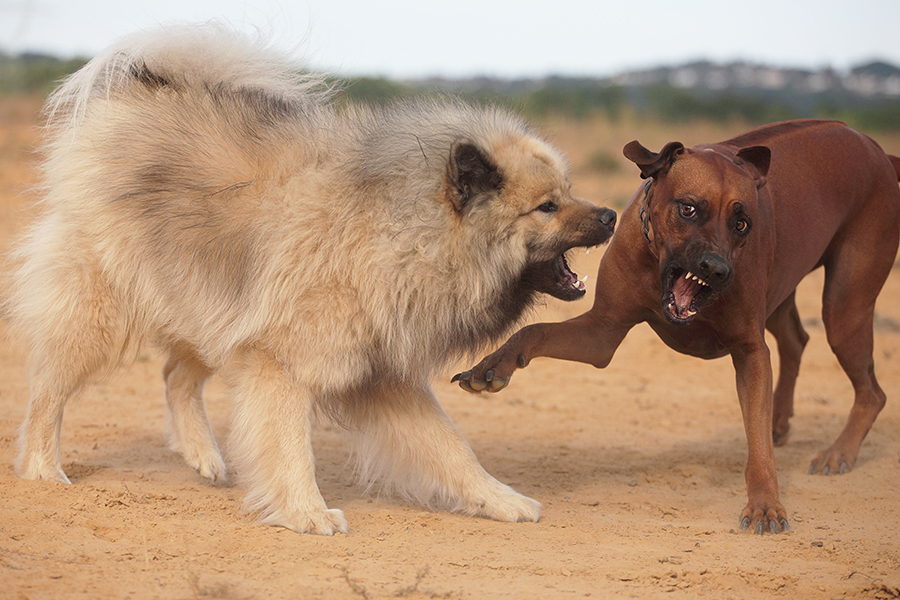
[(204, 197)]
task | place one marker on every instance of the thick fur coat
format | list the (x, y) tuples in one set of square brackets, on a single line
[(204, 196)]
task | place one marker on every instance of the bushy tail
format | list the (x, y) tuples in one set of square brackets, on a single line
[(210, 56)]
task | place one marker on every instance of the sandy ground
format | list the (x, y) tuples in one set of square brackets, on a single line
[(639, 468)]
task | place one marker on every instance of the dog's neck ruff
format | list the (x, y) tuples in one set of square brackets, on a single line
[(645, 218)]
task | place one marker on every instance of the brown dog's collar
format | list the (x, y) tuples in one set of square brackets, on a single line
[(645, 217)]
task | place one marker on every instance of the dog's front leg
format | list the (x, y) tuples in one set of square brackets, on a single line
[(753, 369), (586, 338), (405, 441), (272, 446)]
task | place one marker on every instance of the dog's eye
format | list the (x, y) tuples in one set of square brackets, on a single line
[(548, 207), (742, 226), (688, 211)]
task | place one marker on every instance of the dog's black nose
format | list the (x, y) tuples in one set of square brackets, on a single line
[(714, 268), (607, 216)]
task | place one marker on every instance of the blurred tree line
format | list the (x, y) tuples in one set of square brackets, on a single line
[(34, 73), (581, 98), (568, 97)]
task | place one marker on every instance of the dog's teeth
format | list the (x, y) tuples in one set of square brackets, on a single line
[(587, 250), (688, 275), (584, 279)]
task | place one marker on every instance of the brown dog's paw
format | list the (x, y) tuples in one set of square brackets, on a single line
[(780, 439), (781, 432), (759, 520), (486, 376), (471, 383), (832, 461)]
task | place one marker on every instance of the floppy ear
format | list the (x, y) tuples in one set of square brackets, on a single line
[(471, 173), (759, 157), (651, 163)]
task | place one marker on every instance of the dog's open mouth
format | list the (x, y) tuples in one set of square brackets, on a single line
[(687, 294), (568, 285), (556, 278)]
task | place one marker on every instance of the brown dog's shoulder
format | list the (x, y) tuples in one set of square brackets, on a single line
[(895, 161)]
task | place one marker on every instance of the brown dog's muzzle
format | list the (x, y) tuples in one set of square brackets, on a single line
[(714, 269), (689, 285)]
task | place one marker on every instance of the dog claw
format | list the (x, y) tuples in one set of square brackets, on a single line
[(491, 381), (464, 376), (819, 465), (521, 361), (760, 527)]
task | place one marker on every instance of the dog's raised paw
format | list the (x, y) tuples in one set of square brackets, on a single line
[(491, 383)]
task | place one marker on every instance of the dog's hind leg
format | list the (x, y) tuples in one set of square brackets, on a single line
[(785, 325), (271, 445), (71, 322), (854, 275), (52, 384), (404, 438), (187, 424)]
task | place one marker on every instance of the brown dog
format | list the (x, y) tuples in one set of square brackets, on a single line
[(709, 253)]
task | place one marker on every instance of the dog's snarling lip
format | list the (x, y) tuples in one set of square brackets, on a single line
[(686, 293), (567, 281), (554, 277)]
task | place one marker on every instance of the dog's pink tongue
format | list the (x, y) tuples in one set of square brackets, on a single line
[(684, 292)]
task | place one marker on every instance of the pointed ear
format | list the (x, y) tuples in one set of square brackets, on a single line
[(471, 172), (651, 163), (759, 157)]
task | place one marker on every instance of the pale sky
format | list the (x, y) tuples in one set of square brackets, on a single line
[(452, 38)]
